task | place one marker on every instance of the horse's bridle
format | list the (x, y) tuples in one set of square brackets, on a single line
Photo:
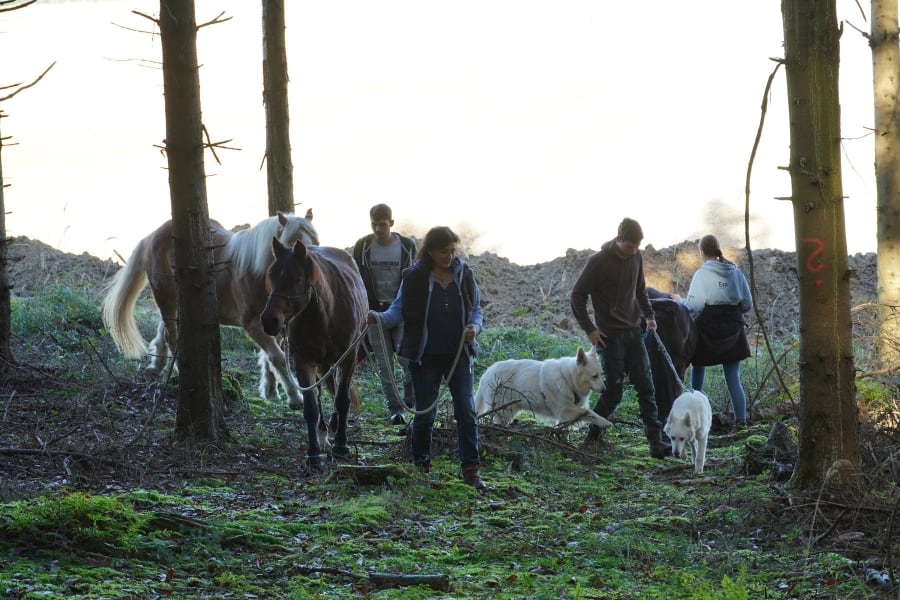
[(292, 297)]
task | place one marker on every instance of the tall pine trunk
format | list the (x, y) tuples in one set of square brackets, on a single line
[(829, 447), (279, 166), (7, 360), (200, 407), (886, 83)]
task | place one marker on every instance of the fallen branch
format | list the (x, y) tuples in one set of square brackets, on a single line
[(65, 453), (435, 582), (541, 437), (697, 481)]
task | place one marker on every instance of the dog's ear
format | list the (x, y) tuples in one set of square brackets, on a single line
[(687, 420), (580, 357)]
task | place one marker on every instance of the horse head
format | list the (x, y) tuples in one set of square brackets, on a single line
[(292, 228), (290, 283)]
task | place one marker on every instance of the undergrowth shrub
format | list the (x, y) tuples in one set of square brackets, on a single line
[(509, 343), (61, 308)]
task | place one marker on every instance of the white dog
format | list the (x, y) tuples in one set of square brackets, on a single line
[(556, 389), (689, 423)]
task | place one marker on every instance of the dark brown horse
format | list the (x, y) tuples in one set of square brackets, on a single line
[(678, 335), (240, 285), (318, 292)]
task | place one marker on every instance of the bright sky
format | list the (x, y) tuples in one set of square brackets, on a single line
[(529, 126)]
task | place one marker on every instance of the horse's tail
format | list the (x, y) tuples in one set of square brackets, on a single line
[(122, 293)]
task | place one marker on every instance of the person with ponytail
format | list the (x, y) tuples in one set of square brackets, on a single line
[(718, 298)]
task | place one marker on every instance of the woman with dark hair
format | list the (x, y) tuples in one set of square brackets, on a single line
[(439, 307), (718, 297)]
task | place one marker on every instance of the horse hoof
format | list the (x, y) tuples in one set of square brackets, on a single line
[(316, 463), (340, 451)]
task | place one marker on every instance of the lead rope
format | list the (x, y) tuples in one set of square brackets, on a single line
[(353, 346), (665, 353), (412, 409)]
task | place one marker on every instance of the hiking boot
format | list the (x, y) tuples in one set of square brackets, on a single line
[(398, 419), (423, 465), (471, 477), (660, 449), (740, 425), (594, 436)]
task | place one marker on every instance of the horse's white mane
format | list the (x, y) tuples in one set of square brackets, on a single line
[(251, 249)]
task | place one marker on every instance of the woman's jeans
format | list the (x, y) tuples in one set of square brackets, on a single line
[(426, 377), (732, 380)]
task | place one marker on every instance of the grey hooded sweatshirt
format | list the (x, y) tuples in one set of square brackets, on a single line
[(718, 283)]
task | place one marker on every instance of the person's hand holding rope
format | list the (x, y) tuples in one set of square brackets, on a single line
[(469, 333)]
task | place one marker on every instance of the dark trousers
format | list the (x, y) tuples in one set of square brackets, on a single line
[(625, 354), (426, 379)]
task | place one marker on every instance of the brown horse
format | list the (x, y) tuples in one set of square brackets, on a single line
[(678, 334), (242, 259), (318, 292)]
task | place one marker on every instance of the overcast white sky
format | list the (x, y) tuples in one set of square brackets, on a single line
[(529, 126)]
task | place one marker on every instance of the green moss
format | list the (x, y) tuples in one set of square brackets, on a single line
[(78, 521)]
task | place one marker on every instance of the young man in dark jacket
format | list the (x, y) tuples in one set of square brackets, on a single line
[(613, 280), (381, 257)]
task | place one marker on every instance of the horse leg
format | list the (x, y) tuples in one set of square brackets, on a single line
[(343, 379), (273, 360), (316, 432), (159, 350), (172, 341), (268, 382)]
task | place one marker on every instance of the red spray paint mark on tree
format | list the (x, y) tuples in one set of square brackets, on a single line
[(812, 264)]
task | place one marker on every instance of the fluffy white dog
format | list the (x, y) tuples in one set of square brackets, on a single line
[(689, 423), (556, 389)]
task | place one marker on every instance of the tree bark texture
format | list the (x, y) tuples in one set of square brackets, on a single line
[(828, 445), (886, 82), (279, 166), (6, 355), (200, 406)]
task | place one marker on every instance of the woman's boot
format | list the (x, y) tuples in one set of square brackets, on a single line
[(471, 477)]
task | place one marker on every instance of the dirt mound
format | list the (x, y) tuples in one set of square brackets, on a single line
[(531, 296), (33, 264)]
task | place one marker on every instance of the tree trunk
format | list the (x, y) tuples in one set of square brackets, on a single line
[(886, 80), (829, 448), (279, 167), (6, 356), (200, 407)]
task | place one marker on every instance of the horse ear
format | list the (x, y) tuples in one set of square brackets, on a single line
[(282, 220), (299, 251), (309, 214), (278, 248)]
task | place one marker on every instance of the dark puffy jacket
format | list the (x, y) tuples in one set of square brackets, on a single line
[(721, 336), (410, 307)]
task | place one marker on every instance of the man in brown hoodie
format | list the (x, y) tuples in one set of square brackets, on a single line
[(613, 280)]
